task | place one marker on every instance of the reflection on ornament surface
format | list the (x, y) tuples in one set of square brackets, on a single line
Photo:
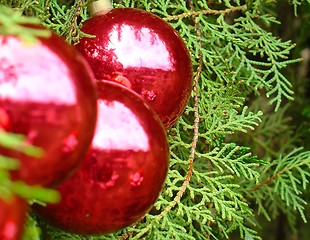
[(47, 94)]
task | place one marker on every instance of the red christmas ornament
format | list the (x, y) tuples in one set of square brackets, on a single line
[(123, 173), (47, 93), (12, 218), (143, 52)]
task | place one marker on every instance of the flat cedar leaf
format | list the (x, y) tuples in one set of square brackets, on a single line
[(8, 163), (17, 142), (35, 192)]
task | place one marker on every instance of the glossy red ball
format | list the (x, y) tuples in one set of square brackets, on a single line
[(141, 51), (124, 171), (48, 94), (12, 218)]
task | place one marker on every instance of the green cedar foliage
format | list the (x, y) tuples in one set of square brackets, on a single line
[(239, 153)]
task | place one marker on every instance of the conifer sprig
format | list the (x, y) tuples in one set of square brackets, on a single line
[(13, 23), (289, 177)]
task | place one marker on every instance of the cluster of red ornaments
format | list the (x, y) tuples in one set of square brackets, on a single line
[(104, 141)]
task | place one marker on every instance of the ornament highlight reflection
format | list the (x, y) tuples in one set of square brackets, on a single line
[(47, 93), (20, 79), (139, 47), (118, 128)]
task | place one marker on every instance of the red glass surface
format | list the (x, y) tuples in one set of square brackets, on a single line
[(123, 173), (47, 93), (12, 218), (143, 52)]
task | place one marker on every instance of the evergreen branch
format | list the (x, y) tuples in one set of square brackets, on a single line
[(18, 142), (28, 192), (293, 162), (73, 28), (65, 19), (204, 12), (234, 160), (244, 50), (220, 199), (8, 163), (233, 122), (288, 178), (14, 24)]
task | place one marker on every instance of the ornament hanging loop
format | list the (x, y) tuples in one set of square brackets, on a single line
[(100, 7)]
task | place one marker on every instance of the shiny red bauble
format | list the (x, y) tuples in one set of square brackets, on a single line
[(143, 52), (12, 218), (47, 94), (123, 173)]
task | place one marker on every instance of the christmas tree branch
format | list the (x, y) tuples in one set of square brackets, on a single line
[(78, 8), (282, 190), (68, 19), (13, 23), (18, 143), (266, 182), (286, 169), (193, 13)]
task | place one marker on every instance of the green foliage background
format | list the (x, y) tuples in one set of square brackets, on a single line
[(240, 154)]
